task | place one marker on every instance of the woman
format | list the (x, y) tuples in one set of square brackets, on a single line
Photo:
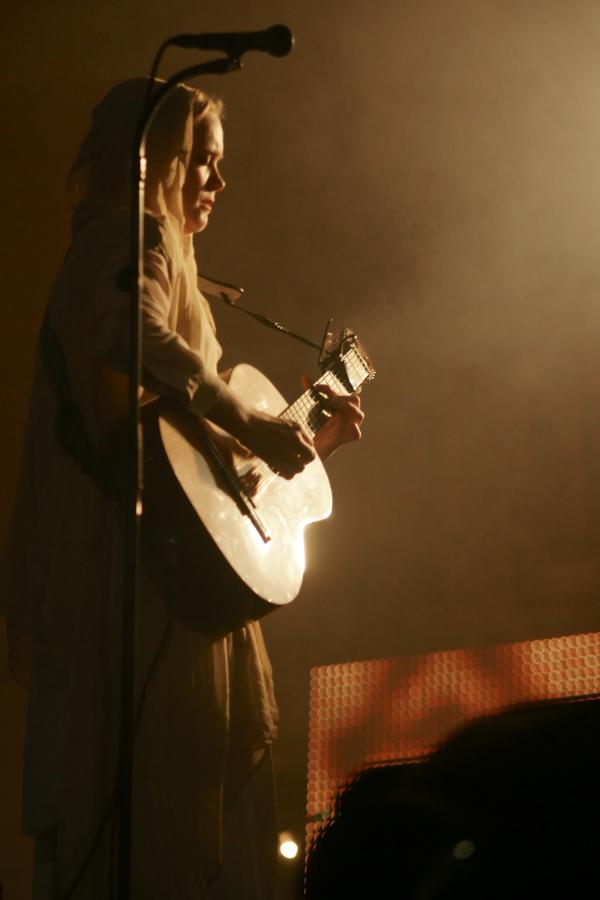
[(205, 713)]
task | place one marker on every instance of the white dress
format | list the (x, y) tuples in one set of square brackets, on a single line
[(209, 711)]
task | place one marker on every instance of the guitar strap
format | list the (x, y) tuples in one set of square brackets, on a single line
[(231, 296), (70, 427)]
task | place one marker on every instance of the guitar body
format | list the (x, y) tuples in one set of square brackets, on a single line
[(217, 568)]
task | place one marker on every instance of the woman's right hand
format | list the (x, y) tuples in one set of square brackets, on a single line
[(283, 445)]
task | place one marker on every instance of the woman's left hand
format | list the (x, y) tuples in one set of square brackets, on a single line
[(344, 422)]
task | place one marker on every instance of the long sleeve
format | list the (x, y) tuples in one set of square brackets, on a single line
[(180, 350)]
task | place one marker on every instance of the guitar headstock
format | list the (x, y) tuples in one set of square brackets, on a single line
[(345, 356)]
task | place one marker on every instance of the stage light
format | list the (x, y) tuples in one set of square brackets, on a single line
[(288, 846)]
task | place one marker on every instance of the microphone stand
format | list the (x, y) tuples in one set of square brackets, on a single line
[(134, 481)]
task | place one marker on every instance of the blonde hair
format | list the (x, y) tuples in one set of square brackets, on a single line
[(100, 177)]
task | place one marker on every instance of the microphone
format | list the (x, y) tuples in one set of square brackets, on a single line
[(277, 40)]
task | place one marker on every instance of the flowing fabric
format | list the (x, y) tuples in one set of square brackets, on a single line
[(208, 711)]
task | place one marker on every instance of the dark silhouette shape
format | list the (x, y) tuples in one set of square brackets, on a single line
[(508, 806)]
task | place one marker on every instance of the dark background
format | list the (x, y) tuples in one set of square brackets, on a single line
[(426, 172)]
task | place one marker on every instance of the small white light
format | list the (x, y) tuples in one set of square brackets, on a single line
[(288, 848)]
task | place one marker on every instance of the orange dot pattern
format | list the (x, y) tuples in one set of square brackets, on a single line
[(383, 710)]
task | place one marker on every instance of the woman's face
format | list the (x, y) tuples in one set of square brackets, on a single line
[(203, 178)]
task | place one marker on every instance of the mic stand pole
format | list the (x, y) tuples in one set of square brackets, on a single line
[(134, 490)]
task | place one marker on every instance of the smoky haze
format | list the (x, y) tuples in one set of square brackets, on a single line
[(427, 173)]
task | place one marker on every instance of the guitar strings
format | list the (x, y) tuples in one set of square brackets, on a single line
[(309, 411)]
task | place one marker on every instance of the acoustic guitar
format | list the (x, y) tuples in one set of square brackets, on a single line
[(201, 496)]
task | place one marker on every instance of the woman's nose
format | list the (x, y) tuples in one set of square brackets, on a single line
[(216, 182)]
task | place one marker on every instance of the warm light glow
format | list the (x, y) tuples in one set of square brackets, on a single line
[(288, 847)]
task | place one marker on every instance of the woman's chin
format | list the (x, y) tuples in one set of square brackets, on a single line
[(197, 223)]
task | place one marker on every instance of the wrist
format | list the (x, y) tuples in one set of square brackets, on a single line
[(324, 445), (232, 414)]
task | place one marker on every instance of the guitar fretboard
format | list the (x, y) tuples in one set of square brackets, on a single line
[(348, 373)]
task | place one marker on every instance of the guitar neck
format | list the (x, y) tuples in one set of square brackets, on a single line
[(344, 377), (308, 410)]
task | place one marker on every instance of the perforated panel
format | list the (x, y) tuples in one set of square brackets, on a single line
[(364, 713)]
